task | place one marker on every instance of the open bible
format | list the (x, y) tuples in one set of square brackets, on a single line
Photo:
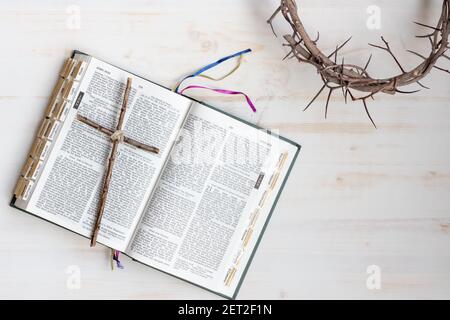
[(196, 210)]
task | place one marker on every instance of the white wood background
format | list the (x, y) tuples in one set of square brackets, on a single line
[(357, 196)]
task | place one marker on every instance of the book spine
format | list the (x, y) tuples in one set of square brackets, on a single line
[(55, 113)]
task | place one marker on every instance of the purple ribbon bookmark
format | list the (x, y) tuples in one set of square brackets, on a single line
[(223, 91)]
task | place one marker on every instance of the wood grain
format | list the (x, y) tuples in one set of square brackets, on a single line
[(357, 196)]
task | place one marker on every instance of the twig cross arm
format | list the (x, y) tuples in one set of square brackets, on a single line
[(116, 138)]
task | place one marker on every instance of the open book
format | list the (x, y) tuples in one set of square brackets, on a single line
[(196, 210)]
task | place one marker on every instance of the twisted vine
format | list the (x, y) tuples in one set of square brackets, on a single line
[(350, 77)]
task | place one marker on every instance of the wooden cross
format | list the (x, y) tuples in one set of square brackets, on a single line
[(116, 138)]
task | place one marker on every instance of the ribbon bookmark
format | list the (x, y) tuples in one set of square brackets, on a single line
[(115, 257), (212, 65), (223, 91)]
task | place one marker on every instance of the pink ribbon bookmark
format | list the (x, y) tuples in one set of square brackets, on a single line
[(223, 91)]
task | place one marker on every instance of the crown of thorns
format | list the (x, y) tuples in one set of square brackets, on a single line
[(349, 77)]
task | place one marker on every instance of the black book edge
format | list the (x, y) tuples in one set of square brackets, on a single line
[(244, 273)]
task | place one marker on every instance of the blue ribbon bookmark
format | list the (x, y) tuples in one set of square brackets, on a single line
[(212, 65)]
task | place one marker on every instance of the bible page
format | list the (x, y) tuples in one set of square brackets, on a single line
[(215, 194), (68, 190)]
